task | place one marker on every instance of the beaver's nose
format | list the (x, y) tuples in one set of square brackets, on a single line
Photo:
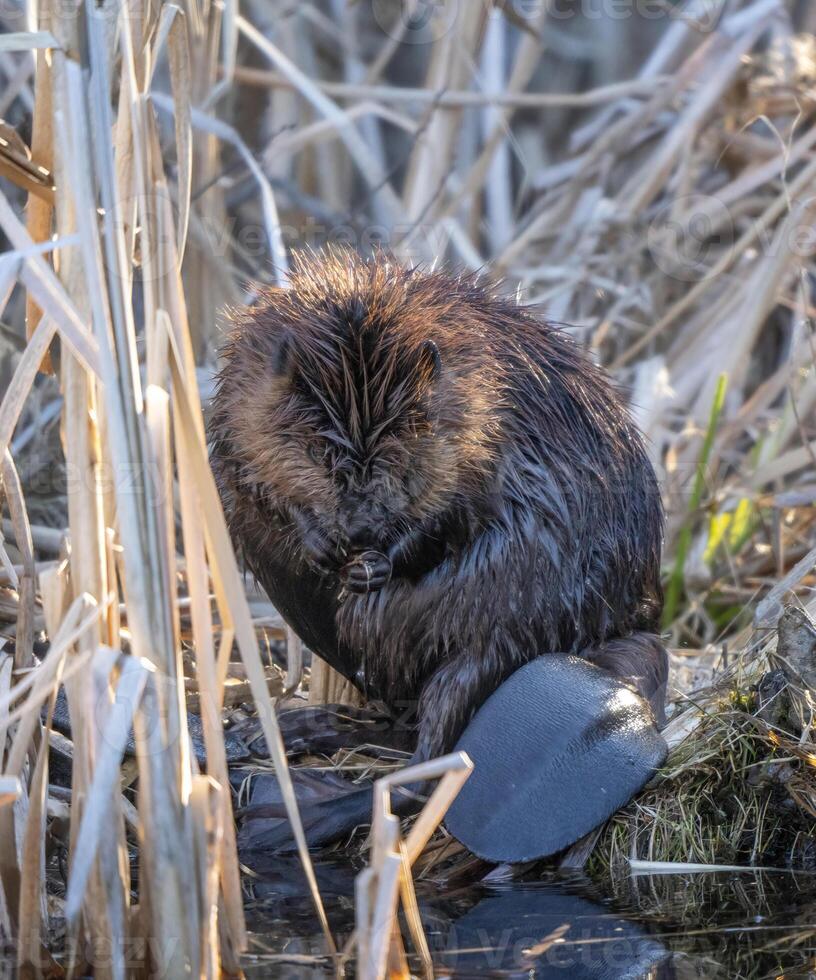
[(358, 531)]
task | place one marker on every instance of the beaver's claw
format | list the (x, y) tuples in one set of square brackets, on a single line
[(367, 572)]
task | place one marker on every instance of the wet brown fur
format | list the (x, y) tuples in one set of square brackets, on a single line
[(373, 406)]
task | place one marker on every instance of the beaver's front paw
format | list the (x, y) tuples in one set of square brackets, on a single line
[(367, 572)]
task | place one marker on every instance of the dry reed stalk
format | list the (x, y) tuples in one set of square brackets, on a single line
[(193, 46), (40, 280), (198, 487), (294, 660), (189, 437), (387, 879), (429, 162), (10, 790), (449, 98), (383, 194), (327, 686), (26, 581), (40, 211)]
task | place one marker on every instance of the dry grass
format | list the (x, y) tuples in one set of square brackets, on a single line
[(649, 184), (736, 790)]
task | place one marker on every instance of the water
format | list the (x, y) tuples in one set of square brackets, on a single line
[(723, 925)]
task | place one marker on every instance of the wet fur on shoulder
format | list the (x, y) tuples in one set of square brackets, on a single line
[(426, 417)]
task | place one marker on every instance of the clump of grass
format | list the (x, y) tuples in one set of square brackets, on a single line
[(736, 789)]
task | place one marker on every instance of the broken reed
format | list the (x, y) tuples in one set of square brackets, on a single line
[(387, 884)]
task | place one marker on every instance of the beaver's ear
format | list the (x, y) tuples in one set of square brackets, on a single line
[(430, 359)]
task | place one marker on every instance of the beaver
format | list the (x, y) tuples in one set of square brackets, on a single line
[(435, 485)]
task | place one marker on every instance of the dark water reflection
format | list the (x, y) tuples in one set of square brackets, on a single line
[(729, 925)]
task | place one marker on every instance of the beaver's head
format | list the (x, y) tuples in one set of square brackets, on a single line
[(358, 401)]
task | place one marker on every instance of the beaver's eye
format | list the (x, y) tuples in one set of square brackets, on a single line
[(315, 452)]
